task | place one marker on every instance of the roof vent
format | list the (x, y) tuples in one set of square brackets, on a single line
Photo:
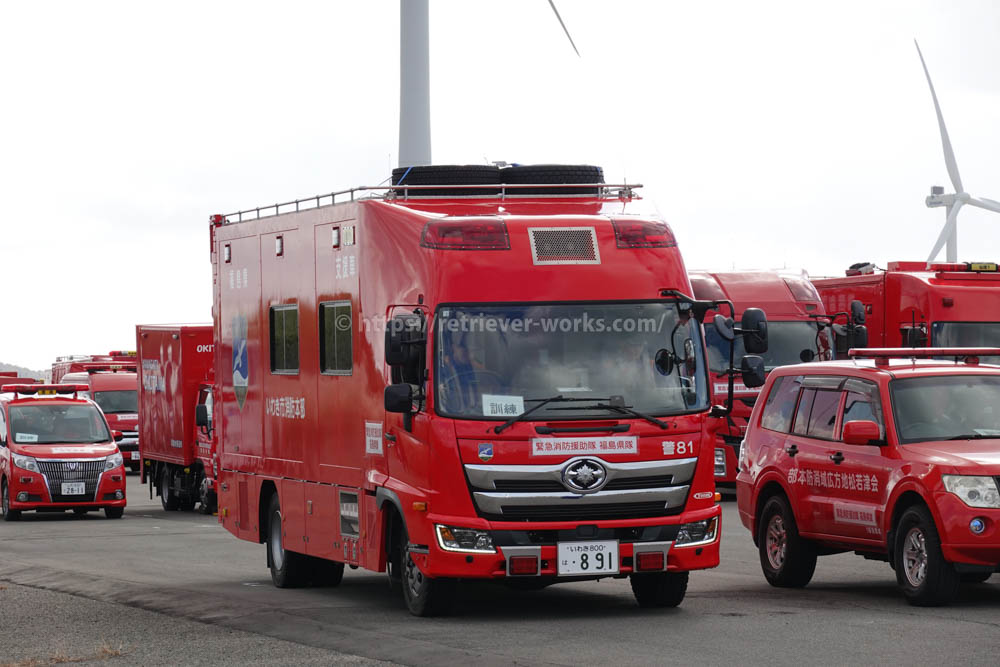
[(564, 245)]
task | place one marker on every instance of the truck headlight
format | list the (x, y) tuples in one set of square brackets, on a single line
[(720, 462), (26, 463), (466, 540), (113, 461), (699, 532), (974, 491)]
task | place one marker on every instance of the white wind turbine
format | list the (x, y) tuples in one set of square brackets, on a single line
[(415, 81), (953, 202)]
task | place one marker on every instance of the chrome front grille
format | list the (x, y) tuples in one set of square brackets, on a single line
[(56, 472), (538, 492)]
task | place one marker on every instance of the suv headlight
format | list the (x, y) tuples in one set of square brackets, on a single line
[(113, 461), (26, 463), (466, 540), (699, 532), (973, 490)]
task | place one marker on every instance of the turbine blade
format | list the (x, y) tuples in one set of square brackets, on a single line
[(945, 231), (988, 204), (565, 29), (949, 154)]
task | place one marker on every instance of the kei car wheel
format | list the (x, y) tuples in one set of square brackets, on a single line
[(424, 595), (114, 512), (922, 573), (288, 568), (786, 559), (659, 589), (8, 513)]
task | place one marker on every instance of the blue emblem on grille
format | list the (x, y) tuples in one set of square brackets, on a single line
[(485, 451)]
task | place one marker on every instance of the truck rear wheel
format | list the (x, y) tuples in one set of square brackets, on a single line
[(207, 498), (659, 589), (786, 559), (288, 568), (326, 573), (168, 498), (424, 596), (922, 573), (8, 513)]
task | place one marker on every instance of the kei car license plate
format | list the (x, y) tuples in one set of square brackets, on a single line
[(595, 557), (74, 488), (134, 455)]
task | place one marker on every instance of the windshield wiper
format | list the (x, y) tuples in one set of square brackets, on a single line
[(975, 436), (615, 406), (542, 402)]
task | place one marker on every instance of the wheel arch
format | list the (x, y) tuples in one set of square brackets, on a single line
[(905, 498), (267, 489), (770, 488)]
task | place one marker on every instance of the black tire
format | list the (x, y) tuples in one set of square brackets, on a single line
[(114, 512), (924, 576), (188, 504), (8, 513), (659, 589), (168, 498), (289, 569), (80, 511), (134, 467), (473, 174), (424, 596), (555, 174), (326, 573), (787, 560), (209, 502), (975, 577)]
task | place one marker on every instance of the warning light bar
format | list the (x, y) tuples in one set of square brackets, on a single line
[(122, 353), (977, 267), (43, 389), (882, 355)]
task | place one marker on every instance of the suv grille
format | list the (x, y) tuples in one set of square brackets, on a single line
[(57, 472)]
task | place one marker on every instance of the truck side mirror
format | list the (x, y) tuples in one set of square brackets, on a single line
[(201, 415), (859, 337), (857, 312), (117, 435), (399, 398), (752, 371), (664, 361), (753, 326), (724, 325), (404, 347), (914, 336), (861, 432)]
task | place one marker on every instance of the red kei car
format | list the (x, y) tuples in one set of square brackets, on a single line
[(57, 453), (894, 455)]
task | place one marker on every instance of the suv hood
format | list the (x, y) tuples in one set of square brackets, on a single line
[(959, 452)]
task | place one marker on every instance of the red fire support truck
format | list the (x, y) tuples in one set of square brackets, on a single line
[(116, 392), (176, 363), (909, 305), (798, 332), (125, 360), (499, 382)]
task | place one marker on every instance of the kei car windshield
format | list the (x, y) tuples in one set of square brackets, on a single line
[(967, 334), (787, 343), (112, 402), (951, 407), (57, 423), (499, 361)]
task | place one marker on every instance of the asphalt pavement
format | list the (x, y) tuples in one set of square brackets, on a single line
[(175, 588)]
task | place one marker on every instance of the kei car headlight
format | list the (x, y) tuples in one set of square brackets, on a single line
[(26, 463), (451, 538), (973, 490), (113, 461)]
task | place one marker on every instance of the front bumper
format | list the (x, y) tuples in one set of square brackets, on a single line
[(543, 538), (958, 543), (38, 496)]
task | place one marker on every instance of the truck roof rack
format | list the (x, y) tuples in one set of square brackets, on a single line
[(882, 355), (622, 192)]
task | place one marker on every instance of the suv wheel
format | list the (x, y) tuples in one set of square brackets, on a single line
[(922, 573), (787, 560)]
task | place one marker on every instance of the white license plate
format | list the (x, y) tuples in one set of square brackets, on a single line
[(74, 488), (134, 455), (595, 557)]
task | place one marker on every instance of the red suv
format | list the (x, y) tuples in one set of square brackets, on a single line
[(894, 455)]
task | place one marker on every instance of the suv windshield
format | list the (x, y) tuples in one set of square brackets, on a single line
[(967, 334), (126, 400), (57, 423), (952, 407), (500, 361), (787, 343)]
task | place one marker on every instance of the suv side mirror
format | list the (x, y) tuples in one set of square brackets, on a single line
[(117, 435), (201, 415), (752, 371), (399, 398), (861, 432), (857, 312), (753, 326)]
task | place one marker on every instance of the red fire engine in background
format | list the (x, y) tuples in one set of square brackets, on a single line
[(75, 362), (909, 305), (798, 332), (493, 379), (114, 387), (176, 367)]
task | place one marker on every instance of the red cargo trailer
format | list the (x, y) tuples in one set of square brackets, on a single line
[(176, 363)]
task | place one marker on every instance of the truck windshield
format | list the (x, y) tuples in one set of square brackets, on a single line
[(113, 402), (967, 334), (496, 362), (953, 407), (57, 423), (787, 343)]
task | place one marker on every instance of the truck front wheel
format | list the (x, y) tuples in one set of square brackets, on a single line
[(168, 498), (786, 559), (424, 596), (288, 568), (923, 574), (659, 589)]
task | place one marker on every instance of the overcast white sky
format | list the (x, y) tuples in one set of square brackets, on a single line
[(768, 134)]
